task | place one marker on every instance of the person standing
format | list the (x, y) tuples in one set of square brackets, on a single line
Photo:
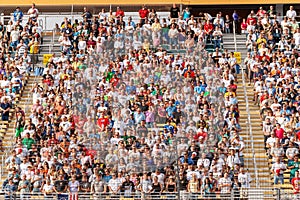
[(235, 17), (24, 188), (10, 189), (127, 187), (87, 15), (5, 106), (225, 186), (174, 12), (18, 15), (244, 179), (60, 187), (48, 190), (98, 187), (73, 188), (291, 13), (33, 13), (278, 169), (296, 185), (294, 167), (143, 13)]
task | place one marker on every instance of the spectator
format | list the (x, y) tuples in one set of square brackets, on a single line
[(277, 170), (87, 15), (18, 15), (143, 13), (73, 188), (33, 13), (174, 12), (291, 13)]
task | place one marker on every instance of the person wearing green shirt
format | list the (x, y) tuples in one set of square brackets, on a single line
[(28, 141), (293, 166), (109, 75)]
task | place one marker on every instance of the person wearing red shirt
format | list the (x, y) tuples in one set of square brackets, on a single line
[(279, 131), (208, 29), (143, 12), (200, 133), (251, 20), (119, 13), (102, 122), (261, 12), (191, 74), (296, 184), (115, 80), (52, 141)]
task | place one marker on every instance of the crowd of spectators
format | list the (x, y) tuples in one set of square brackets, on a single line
[(17, 41), (115, 113), (273, 66)]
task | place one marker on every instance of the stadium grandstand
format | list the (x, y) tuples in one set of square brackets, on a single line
[(150, 101)]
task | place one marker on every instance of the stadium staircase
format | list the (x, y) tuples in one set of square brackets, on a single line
[(50, 44), (23, 100), (263, 163), (263, 172)]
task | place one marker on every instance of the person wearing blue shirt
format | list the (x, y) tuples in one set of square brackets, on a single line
[(235, 17), (186, 159), (10, 189), (171, 109), (200, 88), (139, 116), (186, 14), (130, 88), (18, 15), (169, 127)]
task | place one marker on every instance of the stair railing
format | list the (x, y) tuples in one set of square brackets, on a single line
[(234, 37), (249, 129)]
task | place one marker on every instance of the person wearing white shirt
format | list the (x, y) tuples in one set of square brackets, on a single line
[(297, 38), (278, 169), (118, 45), (114, 184), (203, 161), (244, 178), (291, 13), (225, 186), (81, 44)]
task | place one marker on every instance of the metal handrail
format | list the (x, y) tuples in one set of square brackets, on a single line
[(258, 193), (234, 37), (249, 127)]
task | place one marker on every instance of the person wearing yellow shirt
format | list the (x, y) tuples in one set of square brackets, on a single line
[(64, 75), (76, 64), (156, 27), (146, 45), (260, 41)]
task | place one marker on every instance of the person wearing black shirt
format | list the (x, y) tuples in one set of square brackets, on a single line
[(127, 187), (4, 109), (87, 15), (33, 153), (177, 115), (85, 185), (183, 182), (60, 185), (142, 130), (174, 12)]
